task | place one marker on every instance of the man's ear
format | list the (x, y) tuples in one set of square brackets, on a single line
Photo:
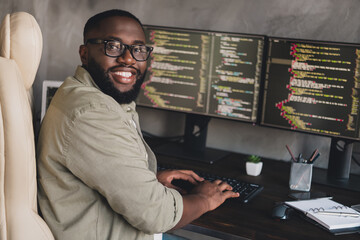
[(83, 52)]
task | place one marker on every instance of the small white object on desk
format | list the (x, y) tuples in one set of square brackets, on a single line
[(253, 169)]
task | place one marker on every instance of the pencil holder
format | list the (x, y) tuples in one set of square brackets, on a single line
[(300, 176)]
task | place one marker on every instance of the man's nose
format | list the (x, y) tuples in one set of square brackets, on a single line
[(126, 57)]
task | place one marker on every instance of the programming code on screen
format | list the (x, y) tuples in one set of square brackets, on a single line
[(208, 73), (312, 86)]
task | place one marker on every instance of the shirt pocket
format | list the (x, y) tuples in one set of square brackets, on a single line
[(137, 138)]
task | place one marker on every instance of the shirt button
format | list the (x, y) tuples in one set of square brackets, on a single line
[(133, 123), (146, 155)]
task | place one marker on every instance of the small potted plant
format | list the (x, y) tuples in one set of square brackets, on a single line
[(253, 165)]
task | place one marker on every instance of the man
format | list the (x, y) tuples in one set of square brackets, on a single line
[(97, 176)]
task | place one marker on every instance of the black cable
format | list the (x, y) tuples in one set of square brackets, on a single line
[(355, 159)]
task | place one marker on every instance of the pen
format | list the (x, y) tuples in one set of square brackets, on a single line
[(316, 157), (292, 156), (300, 159), (313, 155), (339, 214)]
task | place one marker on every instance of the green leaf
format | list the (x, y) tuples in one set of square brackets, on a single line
[(253, 159)]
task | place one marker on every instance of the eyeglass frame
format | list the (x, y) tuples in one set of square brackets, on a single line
[(128, 47)]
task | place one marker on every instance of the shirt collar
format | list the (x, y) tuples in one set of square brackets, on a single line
[(83, 76)]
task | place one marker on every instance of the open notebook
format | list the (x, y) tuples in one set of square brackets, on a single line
[(330, 214)]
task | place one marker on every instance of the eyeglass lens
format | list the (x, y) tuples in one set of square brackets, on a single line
[(116, 49)]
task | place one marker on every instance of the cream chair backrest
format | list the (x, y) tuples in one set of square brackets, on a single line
[(20, 53)]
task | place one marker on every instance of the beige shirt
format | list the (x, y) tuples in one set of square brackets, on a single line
[(97, 176)]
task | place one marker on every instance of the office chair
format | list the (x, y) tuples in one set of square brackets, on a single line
[(20, 53)]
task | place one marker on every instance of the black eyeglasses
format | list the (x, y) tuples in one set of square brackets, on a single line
[(115, 48)]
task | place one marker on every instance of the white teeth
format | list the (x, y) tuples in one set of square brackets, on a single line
[(124, 74)]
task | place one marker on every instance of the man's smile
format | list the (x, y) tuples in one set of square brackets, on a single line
[(124, 77), (124, 74)]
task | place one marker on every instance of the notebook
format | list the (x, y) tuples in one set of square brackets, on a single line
[(328, 213)]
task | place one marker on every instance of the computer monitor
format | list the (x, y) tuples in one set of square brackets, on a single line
[(49, 88), (203, 74), (313, 87)]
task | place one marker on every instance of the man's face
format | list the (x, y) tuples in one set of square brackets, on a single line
[(119, 77)]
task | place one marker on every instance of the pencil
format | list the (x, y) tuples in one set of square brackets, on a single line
[(292, 156)]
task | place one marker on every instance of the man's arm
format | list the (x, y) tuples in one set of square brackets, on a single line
[(117, 168), (204, 197), (166, 177)]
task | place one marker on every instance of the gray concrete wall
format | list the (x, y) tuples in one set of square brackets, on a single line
[(62, 22)]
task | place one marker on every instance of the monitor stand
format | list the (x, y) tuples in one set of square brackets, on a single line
[(338, 172), (194, 145)]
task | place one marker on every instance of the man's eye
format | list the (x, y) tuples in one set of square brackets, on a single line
[(113, 46), (140, 49)]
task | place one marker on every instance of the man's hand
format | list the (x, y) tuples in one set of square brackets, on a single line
[(204, 197), (214, 193), (167, 176)]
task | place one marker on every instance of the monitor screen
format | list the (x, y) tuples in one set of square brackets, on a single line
[(202, 72), (312, 86)]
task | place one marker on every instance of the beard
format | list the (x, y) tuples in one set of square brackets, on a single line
[(102, 79)]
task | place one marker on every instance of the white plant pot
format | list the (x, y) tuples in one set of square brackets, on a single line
[(253, 169)]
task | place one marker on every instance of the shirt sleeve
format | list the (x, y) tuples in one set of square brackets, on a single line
[(105, 151)]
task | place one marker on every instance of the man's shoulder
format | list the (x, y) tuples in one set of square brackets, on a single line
[(74, 94)]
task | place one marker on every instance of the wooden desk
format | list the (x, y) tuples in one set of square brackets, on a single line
[(253, 220)]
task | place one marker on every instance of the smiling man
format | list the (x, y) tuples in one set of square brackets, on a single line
[(97, 175), (120, 78)]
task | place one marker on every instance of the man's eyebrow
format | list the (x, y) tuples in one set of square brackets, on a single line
[(139, 42), (119, 39), (113, 38)]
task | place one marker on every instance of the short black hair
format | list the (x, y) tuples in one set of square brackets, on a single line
[(94, 21)]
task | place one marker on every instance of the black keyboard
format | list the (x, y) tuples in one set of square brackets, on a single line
[(247, 190)]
